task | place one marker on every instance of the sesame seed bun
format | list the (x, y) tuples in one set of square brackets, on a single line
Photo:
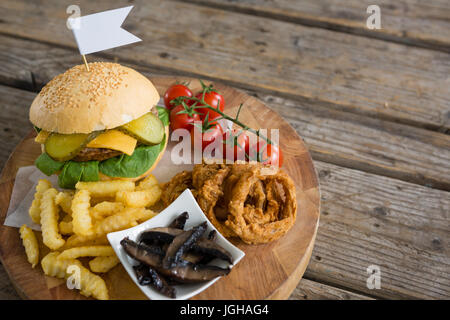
[(81, 101)]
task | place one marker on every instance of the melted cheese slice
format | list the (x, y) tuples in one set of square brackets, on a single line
[(42, 136), (115, 140)]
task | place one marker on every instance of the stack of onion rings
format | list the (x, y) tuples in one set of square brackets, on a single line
[(251, 201)]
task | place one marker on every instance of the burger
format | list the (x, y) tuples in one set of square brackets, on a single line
[(99, 124)]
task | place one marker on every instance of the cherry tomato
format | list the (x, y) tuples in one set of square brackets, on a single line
[(235, 145), (211, 134), (175, 91), (182, 120), (268, 153), (214, 99)]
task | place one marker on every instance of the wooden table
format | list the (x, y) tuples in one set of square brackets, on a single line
[(373, 107)]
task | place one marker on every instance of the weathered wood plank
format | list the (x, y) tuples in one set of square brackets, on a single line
[(311, 290), (348, 72), (351, 140), (420, 23), (372, 220), (368, 144), (14, 120), (7, 291)]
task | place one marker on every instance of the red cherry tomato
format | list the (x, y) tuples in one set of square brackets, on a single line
[(266, 153), (214, 99), (175, 91), (183, 120), (235, 145), (208, 136)]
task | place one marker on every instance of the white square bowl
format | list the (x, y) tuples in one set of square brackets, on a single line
[(185, 202)]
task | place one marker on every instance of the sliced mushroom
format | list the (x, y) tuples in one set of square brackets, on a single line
[(212, 235), (181, 244), (148, 276), (211, 249), (180, 221), (184, 272), (191, 273), (202, 246), (142, 275), (160, 284), (165, 235)]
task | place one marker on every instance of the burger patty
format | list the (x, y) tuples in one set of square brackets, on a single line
[(99, 154)]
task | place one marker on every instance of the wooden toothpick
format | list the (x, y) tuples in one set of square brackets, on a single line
[(85, 62)]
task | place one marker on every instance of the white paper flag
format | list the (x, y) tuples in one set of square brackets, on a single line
[(102, 31)]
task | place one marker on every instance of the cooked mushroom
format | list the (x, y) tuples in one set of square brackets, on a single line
[(202, 246), (211, 249), (212, 235), (142, 275), (180, 221), (160, 284), (185, 271), (165, 235), (148, 276), (181, 244)]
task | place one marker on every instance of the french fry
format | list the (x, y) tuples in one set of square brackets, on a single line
[(91, 212), (64, 201), (66, 227), (82, 221), (93, 285), (30, 243), (147, 183), (145, 215), (55, 267), (105, 188), (79, 241), (67, 218), (103, 264), (49, 220), (88, 251), (141, 198), (35, 209), (90, 284), (121, 220), (106, 208)]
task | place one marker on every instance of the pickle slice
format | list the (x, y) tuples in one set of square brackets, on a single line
[(63, 147), (147, 129)]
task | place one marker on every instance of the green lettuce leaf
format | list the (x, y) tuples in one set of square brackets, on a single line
[(163, 115), (132, 166), (73, 172), (47, 165)]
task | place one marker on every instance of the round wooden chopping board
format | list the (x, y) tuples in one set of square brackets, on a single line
[(268, 271)]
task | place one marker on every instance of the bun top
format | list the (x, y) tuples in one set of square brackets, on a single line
[(81, 101)]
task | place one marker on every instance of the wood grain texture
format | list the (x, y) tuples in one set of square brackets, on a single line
[(14, 120), (349, 72), (419, 23), (311, 290), (275, 279), (371, 220), (7, 291)]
